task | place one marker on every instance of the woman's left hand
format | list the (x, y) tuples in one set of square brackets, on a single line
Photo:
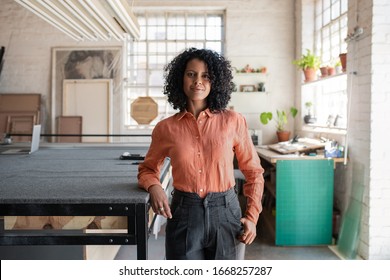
[(249, 233)]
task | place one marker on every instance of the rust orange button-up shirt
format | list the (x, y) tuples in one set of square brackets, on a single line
[(201, 153)]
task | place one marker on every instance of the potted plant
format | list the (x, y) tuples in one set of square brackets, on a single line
[(309, 63), (281, 120), (309, 118), (331, 71), (343, 60), (338, 66), (324, 71)]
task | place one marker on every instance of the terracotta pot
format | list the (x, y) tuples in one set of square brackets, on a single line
[(331, 71), (343, 60), (283, 136), (310, 74), (324, 71)]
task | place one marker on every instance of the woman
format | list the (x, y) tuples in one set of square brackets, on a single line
[(204, 218)]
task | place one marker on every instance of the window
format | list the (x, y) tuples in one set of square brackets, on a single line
[(331, 29), (163, 36), (329, 95)]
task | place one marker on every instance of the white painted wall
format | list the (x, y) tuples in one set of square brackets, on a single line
[(379, 174), (368, 166)]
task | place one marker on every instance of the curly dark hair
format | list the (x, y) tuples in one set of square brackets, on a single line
[(220, 73)]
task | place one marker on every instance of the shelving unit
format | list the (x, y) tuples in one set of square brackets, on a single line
[(250, 80)]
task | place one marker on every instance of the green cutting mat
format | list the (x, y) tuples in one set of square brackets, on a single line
[(304, 202)]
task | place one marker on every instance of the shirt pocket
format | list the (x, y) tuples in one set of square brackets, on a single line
[(221, 149)]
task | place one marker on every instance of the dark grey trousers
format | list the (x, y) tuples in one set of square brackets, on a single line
[(204, 229)]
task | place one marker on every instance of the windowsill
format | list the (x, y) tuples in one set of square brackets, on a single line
[(324, 129), (324, 79)]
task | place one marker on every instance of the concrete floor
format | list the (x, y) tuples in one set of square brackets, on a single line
[(262, 248)]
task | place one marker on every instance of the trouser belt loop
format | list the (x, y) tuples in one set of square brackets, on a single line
[(226, 201)]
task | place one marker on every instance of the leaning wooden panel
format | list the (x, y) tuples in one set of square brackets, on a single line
[(14, 104), (91, 99), (22, 124), (69, 125), (10, 102)]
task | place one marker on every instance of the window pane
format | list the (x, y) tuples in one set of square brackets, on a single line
[(318, 23), (140, 77), (215, 46), (171, 32), (326, 16), (214, 20), (325, 4), (156, 78), (335, 10), (213, 33), (175, 19), (344, 6), (195, 33), (195, 20), (198, 45)]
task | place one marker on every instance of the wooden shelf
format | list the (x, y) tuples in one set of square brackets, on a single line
[(249, 92), (250, 74)]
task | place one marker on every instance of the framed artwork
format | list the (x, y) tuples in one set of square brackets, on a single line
[(83, 63)]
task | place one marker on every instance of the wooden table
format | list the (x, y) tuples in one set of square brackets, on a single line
[(89, 181), (272, 156), (298, 197)]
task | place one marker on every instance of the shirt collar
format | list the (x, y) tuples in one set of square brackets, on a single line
[(181, 114)]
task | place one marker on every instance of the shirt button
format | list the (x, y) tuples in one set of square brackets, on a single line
[(200, 121), (200, 170), (203, 113), (197, 137), (198, 154), (201, 190)]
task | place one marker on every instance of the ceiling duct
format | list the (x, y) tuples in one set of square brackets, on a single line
[(88, 19)]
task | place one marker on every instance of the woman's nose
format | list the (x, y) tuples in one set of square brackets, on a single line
[(197, 80)]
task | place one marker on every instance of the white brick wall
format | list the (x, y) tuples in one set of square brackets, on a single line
[(379, 198), (370, 57)]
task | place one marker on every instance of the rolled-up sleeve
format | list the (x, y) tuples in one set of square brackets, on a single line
[(149, 169), (249, 164)]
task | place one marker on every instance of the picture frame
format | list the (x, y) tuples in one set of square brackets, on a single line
[(247, 88), (83, 63)]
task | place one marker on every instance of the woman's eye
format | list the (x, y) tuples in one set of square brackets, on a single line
[(190, 74), (206, 77)]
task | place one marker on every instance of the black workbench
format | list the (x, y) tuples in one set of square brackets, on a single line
[(76, 181)]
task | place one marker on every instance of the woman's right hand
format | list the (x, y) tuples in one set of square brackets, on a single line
[(159, 201)]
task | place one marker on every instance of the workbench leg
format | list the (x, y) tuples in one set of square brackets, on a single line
[(142, 231)]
